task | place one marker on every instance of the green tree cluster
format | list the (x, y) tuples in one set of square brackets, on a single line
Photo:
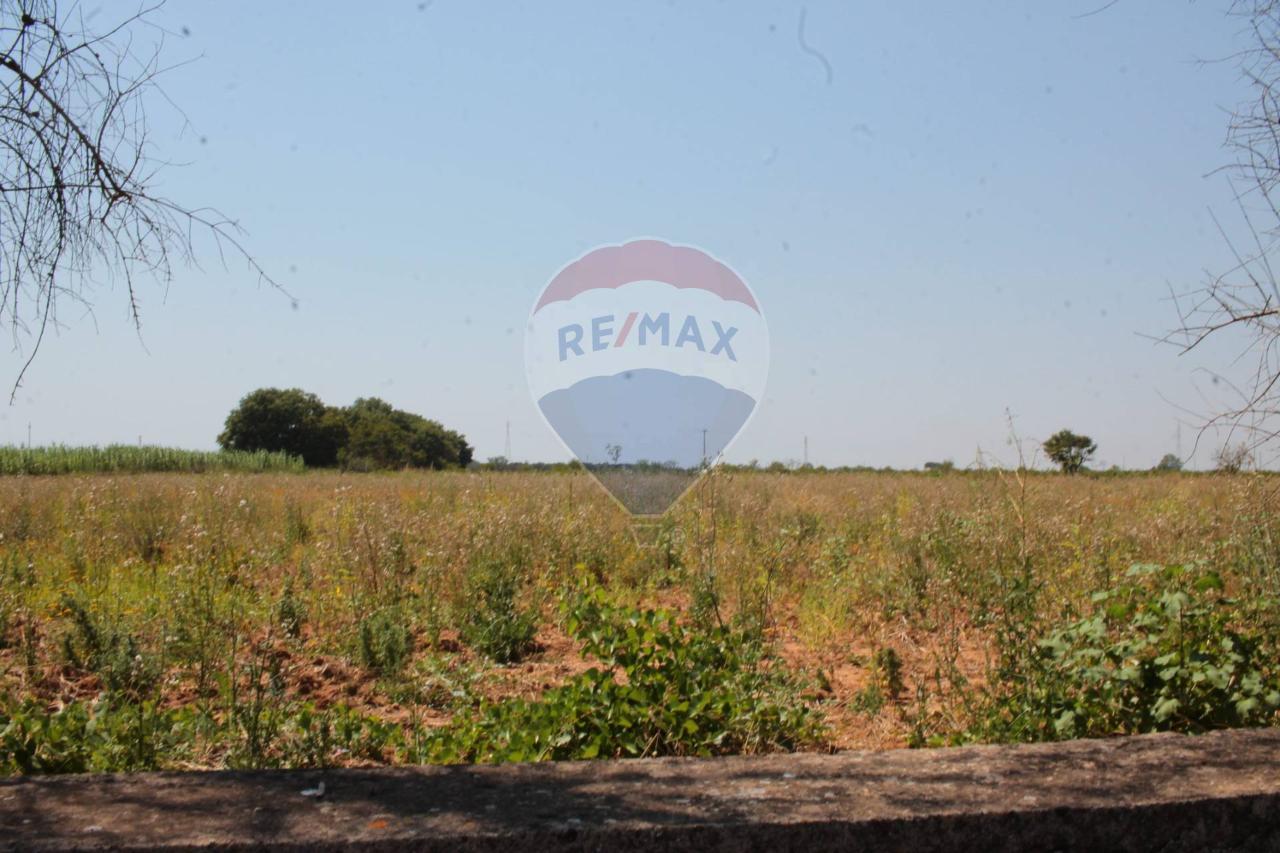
[(369, 434)]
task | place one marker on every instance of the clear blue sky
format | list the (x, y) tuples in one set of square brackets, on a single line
[(982, 209)]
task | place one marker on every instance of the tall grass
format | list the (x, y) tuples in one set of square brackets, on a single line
[(131, 459), (256, 605)]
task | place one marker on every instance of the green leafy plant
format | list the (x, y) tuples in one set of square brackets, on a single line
[(311, 737), (442, 682), (682, 691), (1158, 653), (97, 736), (112, 736)]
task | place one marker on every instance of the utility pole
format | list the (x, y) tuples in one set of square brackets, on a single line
[(806, 450), (28, 435), (704, 445), (506, 448)]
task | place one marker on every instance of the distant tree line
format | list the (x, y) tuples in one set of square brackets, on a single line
[(1169, 463), (370, 434)]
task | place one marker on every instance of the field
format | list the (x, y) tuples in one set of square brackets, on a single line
[(232, 619), (130, 459)]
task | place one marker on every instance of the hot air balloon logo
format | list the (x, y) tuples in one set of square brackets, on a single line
[(647, 359)]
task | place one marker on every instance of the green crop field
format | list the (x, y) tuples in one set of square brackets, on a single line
[(218, 619), (130, 459)]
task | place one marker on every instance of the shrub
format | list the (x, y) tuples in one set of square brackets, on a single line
[(297, 529), (110, 736), (494, 623), (385, 642), (886, 666), (109, 651), (704, 604), (83, 737), (683, 692), (1233, 458), (145, 525), (291, 613), (884, 686), (1158, 653), (324, 738), (443, 682)]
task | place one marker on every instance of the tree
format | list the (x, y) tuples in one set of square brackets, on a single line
[(289, 420), (367, 435), (374, 442), (1069, 451), (381, 436), (1169, 462), (78, 177)]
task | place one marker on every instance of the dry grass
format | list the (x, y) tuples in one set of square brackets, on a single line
[(833, 567)]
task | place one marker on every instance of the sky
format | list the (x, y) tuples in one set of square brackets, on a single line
[(956, 217)]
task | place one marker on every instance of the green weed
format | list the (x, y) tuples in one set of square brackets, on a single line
[(685, 692), (494, 622), (1157, 653)]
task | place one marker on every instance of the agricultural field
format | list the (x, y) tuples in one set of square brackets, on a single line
[(231, 619), (130, 459)]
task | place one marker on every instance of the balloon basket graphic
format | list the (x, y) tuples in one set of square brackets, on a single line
[(648, 529)]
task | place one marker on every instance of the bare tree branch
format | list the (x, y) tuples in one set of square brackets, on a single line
[(1243, 302), (77, 205)]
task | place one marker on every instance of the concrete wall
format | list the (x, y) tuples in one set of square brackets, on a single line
[(1159, 792)]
